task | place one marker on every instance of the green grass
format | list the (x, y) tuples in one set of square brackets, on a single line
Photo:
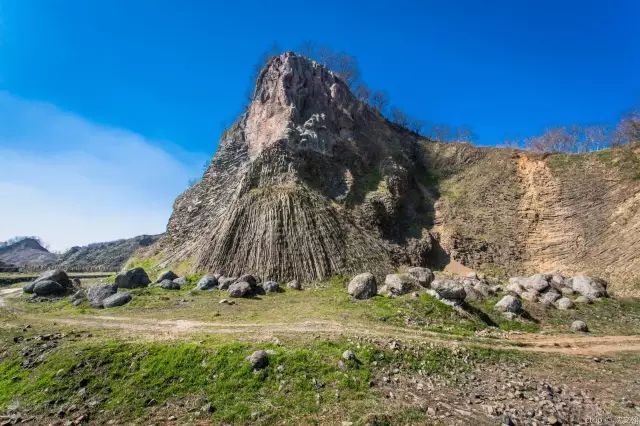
[(124, 376)]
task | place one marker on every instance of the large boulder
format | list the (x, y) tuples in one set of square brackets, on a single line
[(117, 299), (225, 282), (363, 286), (509, 303), (589, 287), (48, 288), (424, 276), (240, 289), (579, 326), (57, 275), (530, 295), (399, 284), (248, 278), (515, 287), (537, 283), (133, 278), (180, 281), (270, 287), (550, 297), (207, 282), (167, 275), (449, 290), (97, 294), (28, 287)]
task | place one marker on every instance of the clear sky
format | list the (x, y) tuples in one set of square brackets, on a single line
[(109, 107)]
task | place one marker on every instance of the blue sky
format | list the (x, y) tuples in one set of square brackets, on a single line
[(167, 76)]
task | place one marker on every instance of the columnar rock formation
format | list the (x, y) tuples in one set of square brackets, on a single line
[(310, 182)]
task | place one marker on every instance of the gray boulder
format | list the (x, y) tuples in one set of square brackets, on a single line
[(579, 326), (530, 295), (582, 299), (567, 291), (79, 295), (450, 290), (550, 297), (271, 287), (424, 276), (564, 303), (240, 289), (170, 285), (180, 281), (248, 278), (363, 286), (294, 285), (57, 275), (28, 287), (537, 283), (133, 278), (207, 282), (399, 284), (225, 282), (117, 299), (589, 287), (48, 288), (514, 287), (167, 275), (509, 303), (97, 294), (258, 359)]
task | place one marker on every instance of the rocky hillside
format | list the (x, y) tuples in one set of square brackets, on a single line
[(99, 257), (27, 253), (311, 182)]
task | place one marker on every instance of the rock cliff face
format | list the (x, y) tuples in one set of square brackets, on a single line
[(310, 182)]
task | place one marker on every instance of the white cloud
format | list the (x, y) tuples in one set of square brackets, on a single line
[(74, 182)]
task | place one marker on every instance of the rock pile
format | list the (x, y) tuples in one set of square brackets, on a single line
[(555, 290), (52, 283)]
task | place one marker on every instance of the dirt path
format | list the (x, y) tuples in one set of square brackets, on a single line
[(156, 329)]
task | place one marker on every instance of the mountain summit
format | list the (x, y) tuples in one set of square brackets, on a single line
[(310, 182)]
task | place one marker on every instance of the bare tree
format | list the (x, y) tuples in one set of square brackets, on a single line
[(627, 130), (557, 139), (593, 138), (399, 117), (464, 134), (379, 100), (362, 92)]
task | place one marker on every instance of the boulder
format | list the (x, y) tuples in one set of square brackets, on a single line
[(509, 303), (530, 295), (180, 281), (48, 288), (225, 282), (133, 278), (248, 278), (258, 359), (207, 282), (579, 326), (117, 299), (294, 285), (167, 275), (240, 289), (348, 355), (271, 287), (98, 293), (537, 283), (550, 297), (398, 284), (567, 291), (78, 295), (582, 299), (363, 286), (170, 285), (557, 281), (564, 303), (424, 276), (57, 275), (515, 287), (589, 287), (450, 290)]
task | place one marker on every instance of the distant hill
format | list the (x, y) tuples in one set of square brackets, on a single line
[(109, 256), (28, 254)]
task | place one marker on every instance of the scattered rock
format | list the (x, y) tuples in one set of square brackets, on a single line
[(509, 303), (79, 295), (424, 276), (226, 302), (363, 286), (530, 295), (28, 287), (133, 278), (514, 287), (348, 355), (225, 282), (589, 287), (169, 285), (564, 303), (98, 293), (271, 287), (240, 289), (579, 326), (258, 359), (180, 281), (449, 290), (168, 275), (399, 284), (207, 282), (582, 299), (294, 285), (117, 299)]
